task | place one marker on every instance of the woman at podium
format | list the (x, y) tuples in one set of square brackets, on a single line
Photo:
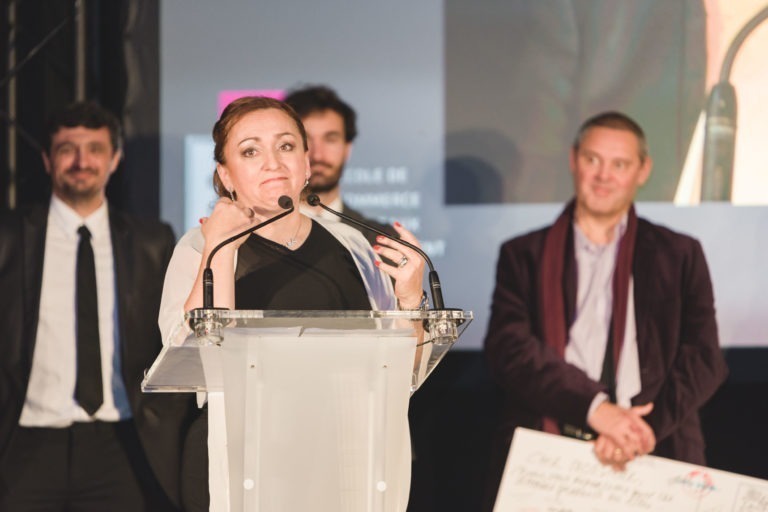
[(293, 263)]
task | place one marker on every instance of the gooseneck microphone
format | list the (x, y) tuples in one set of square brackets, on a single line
[(284, 202), (434, 280), (720, 123), (719, 143)]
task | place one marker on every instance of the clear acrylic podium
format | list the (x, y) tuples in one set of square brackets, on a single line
[(315, 403)]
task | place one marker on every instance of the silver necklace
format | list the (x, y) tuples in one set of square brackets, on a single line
[(291, 241)]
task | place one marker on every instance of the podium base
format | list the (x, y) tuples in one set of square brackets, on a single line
[(312, 423)]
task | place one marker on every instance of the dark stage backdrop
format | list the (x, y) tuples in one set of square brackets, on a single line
[(466, 113), (121, 74)]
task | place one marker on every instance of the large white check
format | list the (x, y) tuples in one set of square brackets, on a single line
[(548, 473)]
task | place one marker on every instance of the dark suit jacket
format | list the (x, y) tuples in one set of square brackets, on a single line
[(369, 235), (141, 252), (681, 364)]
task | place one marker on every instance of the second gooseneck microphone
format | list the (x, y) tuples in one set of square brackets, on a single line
[(284, 202), (434, 280)]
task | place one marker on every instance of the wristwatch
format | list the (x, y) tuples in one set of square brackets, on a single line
[(423, 304)]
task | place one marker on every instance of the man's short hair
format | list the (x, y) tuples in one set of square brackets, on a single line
[(317, 98), (87, 114), (617, 121)]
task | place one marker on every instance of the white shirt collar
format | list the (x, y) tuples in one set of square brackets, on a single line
[(68, 220), (584, 243)]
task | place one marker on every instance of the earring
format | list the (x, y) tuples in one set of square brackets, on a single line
[(231, 195), (306, 183)]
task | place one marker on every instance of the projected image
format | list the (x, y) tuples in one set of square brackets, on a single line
[(511, 115), (497, 89)]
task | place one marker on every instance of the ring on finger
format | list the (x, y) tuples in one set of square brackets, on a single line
[(403, 262)]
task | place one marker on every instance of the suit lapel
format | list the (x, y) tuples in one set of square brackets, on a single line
[(122, 255), (33, 233), (570, 281), (643, 289)]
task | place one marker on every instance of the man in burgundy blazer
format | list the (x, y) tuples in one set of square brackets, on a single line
[(678, 355)]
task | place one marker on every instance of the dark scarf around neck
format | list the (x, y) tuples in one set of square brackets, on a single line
[(554, 326)]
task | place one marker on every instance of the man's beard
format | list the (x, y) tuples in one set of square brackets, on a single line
[(78, 192), (326, 183)]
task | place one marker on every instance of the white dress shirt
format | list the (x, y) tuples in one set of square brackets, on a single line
[(588, 335), (50, 398)]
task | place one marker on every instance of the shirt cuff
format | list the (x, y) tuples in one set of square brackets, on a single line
[(599, 399)]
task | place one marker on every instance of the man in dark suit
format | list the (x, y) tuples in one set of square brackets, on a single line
[(331, 126), (603, 325), (81, 287)]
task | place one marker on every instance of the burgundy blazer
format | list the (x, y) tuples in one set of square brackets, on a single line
[(681, 364)]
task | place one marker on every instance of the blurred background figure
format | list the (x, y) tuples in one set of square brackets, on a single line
[(331, 126)]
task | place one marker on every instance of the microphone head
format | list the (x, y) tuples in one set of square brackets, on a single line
[(285, 202), (313, 200)]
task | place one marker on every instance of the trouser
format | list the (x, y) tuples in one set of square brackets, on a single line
[(87, 467), (195, 495)]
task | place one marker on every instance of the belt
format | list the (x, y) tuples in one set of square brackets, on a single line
[(582, 433)]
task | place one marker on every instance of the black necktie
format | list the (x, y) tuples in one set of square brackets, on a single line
[(88, 389)]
